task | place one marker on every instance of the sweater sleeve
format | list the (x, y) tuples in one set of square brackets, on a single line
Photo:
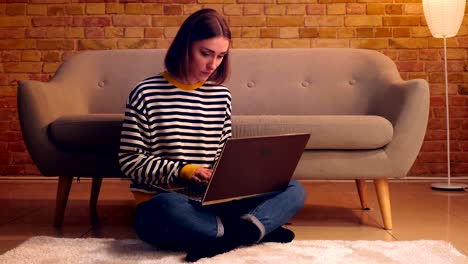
[(187, 171), (135, 158)]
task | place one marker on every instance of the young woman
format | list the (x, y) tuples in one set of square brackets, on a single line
[(176, 124)]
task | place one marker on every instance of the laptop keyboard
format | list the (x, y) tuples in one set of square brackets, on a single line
[(194, 191)]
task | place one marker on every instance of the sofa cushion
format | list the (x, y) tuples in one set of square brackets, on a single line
[(90, 132), (343, 132), (97, 131)]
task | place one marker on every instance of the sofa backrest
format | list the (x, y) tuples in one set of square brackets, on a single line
[(262, 81)]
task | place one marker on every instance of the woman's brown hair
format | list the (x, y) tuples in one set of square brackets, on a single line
[(203, 24)]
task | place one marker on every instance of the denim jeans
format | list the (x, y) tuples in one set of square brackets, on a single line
[(171, 220)]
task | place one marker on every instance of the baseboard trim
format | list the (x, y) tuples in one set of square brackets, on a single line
[(51, 178), (405, 179)]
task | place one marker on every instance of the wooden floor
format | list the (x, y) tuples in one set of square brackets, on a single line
[(331, 212)]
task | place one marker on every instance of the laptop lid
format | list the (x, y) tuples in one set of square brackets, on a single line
[(254, 166)]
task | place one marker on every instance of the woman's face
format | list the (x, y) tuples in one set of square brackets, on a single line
[(205, 57)]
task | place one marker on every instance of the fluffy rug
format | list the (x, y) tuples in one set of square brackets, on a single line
[(103, 251)]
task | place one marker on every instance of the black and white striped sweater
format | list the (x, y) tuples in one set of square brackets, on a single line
[(167, 127)]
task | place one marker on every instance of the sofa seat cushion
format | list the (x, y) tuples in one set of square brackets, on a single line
[(333, 132), (328, 132), (89, 132)]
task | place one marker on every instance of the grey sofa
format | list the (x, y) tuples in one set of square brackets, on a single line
[(366, 123)]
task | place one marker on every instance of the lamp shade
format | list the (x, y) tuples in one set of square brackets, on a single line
[(444, 17)]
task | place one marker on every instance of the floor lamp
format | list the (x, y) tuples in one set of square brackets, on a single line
[(444, 18)]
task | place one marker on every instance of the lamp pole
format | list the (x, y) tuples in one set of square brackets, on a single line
[(448, 186), (444, 18)]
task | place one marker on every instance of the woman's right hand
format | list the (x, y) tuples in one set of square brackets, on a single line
[(202, 175)]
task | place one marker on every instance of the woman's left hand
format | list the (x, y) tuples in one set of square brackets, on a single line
[(202, 175)]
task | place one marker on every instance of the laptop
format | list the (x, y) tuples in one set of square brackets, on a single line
[(247, 167)]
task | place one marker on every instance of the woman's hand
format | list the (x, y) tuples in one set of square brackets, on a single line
[(202, 175)]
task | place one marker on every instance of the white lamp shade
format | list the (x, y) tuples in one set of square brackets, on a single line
[(444, 17)]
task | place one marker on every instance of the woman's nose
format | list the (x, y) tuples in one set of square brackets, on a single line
[(211, 64)]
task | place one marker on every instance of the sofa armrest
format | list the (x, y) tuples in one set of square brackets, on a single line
[(39, 104), (406, 105)]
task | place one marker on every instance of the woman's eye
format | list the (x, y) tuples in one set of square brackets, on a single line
[(220, 56), (205, 54)]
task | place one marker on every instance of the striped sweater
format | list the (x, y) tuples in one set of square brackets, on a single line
[(169, 126)]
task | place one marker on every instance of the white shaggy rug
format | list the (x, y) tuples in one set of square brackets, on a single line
[(92, 250)]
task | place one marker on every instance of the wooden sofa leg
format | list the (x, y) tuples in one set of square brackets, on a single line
[(63, 190), (383, 196), (362, 191), (95, 188)]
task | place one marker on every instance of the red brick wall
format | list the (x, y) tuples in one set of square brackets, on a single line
[(37, 35)]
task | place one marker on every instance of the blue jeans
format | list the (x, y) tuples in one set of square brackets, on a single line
[(172, 221)]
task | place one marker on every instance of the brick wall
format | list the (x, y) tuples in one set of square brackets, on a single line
[(37, 35)]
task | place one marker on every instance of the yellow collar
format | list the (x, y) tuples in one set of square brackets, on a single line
[(180, 85)]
